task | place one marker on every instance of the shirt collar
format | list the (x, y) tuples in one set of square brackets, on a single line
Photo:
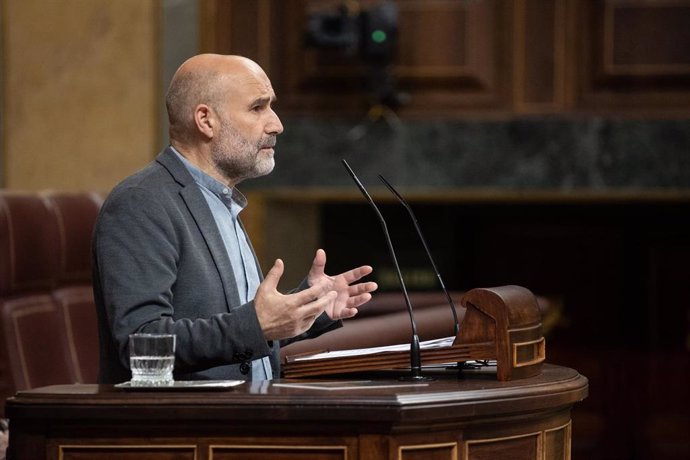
[(214, 186)]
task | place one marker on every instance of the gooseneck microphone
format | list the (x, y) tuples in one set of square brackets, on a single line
[(415, 353), (456, 327)]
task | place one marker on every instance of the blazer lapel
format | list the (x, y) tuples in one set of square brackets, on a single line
[(196, 203)]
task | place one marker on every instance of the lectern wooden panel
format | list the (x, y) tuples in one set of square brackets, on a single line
[(469, 416)]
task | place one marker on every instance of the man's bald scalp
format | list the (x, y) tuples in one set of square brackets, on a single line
[(199, 81)]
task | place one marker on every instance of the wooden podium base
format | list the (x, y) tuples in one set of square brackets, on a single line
[(369, 416)]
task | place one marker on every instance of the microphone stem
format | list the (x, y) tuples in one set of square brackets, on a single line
[(415, 350), (408, 208), (456, 325)]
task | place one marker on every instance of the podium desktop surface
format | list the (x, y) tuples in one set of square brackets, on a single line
[(368, 416)]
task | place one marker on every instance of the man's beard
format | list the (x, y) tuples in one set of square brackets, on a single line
[(237, 159)]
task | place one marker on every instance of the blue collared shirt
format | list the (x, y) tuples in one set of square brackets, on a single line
[(225, 204)]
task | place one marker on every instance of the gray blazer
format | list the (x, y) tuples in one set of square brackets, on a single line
[(160, 265)]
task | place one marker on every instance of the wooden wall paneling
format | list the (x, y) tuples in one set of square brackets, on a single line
[(454, 57), (213, 39), (634, 55), (315, 79), (539, 49), (647, 39), (238, 27), (451, 56)]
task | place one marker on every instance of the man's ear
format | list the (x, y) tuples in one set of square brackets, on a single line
[(204, 120)]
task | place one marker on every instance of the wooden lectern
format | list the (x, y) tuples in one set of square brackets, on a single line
[(519, 411), (470, 417), (501, 324)]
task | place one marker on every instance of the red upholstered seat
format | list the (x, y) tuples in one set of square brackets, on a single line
[(33, 341), (75, 215), (48, 331)]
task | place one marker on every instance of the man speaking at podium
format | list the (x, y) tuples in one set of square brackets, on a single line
[(170, 254)]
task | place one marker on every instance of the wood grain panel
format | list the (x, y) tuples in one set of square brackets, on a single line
[(124, 452), (449, 53), (469, 57), (286, 452), (646, 39), (238, 27), (444, 451), (557, 443), (539, 55), (425, 41), (527, 447), (633, 55)]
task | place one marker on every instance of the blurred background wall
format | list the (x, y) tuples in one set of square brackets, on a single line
[(542, 143), (80, 92)]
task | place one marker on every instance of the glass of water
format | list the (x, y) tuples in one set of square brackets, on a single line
[(151, 359)]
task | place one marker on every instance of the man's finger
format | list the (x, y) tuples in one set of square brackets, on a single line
[(274, 274), (356, 301), (318, 305), (362, 288), (316, 291), (355, 274), (346, 313), (318, 265)]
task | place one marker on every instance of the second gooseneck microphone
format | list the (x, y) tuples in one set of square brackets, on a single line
[(415, 352), (456, 325)]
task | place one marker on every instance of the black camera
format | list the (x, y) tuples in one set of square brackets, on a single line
[(369, 33)]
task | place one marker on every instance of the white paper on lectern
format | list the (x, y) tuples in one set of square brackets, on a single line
[(426, 345)]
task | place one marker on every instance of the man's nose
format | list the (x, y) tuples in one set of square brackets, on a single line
[(274, 125)]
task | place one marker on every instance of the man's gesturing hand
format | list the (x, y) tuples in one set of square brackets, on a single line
[(350, 296), (284, 316)]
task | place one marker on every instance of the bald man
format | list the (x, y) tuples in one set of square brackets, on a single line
[(170, 254)]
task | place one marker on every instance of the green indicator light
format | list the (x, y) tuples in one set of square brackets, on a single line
[(379, 36)]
